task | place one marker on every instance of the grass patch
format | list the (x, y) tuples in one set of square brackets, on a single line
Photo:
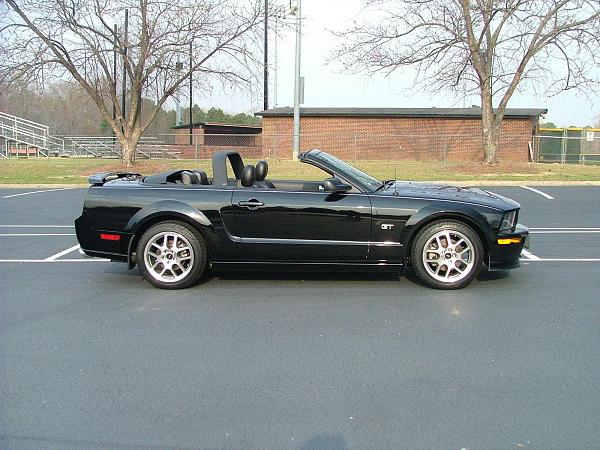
[(76, 171)]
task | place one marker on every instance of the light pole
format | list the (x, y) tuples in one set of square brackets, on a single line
[(266, 59), (124, 87), (178, 113), (191, 96), (296, 150), (115, 50), (275, 68)]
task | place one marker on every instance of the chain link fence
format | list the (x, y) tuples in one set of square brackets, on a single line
[(568, 146), (564, 146), (347, 146), (398, 147)]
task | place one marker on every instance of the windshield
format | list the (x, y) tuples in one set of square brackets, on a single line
[(350, 172)]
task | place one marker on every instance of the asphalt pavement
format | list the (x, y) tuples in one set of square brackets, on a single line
[(92, 356)]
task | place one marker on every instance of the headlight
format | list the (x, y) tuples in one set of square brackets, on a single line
[(509, 221)]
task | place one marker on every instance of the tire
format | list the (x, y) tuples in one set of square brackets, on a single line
[(166, 267), (443, 266)]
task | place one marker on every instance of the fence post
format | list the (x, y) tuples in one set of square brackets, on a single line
[(563, 147), (581, 144), (445, 151), (531, 145)]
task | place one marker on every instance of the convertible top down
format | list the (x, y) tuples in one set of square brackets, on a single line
[(175, 225)]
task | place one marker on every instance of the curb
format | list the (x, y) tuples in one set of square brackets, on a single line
[(454, 183), (42, 186)]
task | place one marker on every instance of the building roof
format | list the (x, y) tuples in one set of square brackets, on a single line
[(216, 124), (397, 112)]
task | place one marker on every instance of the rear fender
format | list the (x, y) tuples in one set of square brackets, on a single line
[(166, 210)]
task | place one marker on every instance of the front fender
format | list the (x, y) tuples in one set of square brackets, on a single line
[(167, 210), (458, 211)]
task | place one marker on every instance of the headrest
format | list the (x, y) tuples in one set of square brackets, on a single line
[(248, 176), (189, 178), (201, 174), (262, 168)]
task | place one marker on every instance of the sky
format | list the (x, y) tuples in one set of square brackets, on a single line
[(326, 85)]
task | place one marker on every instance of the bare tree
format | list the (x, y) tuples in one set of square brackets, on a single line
[(54, 106), (77, 39), (488, 47)]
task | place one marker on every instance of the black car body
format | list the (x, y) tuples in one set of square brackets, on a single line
[(348, 220)]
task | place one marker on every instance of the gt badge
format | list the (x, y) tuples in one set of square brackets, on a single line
[(386, 226)]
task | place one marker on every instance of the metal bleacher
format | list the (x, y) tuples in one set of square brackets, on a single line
[(109, 147), (24, 138), (21, 137)]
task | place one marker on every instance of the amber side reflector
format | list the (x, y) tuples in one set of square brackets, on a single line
[(506, 241), (110, 237)]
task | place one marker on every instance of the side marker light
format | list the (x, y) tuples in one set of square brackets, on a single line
[(110, 237), (507, 241)]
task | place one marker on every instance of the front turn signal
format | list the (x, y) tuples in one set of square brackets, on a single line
[(507, 241)]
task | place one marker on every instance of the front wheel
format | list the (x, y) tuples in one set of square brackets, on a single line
[(171, 255), (447, 254)]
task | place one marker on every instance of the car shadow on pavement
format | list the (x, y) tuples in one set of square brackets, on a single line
[(483, 276), (299, 276), (489, 275)]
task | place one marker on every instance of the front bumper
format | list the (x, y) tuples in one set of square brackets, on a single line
[(506, 255)]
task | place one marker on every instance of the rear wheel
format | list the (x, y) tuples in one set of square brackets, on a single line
[(447, 254), (171, 255)]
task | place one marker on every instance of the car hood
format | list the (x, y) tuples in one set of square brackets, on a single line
[(447, 192)]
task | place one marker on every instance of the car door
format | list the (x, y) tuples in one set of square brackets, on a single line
[(276, 225)]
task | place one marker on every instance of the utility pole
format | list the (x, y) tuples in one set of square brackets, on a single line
[(115, 49), (124, 89), (191, 99), (296, 150), (266, 58), (178, 111), (275, 68)]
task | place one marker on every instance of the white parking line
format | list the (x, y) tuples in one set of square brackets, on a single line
[(36, 192), (563, 231), (35, 234), (543, 194), (63, 253), (564, 228), (54, 260), (530, 256), (562, 259), (37, 226)]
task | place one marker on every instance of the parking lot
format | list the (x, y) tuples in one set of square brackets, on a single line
[(91, 356)]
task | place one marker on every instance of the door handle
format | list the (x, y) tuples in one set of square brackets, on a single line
[(251, 204)]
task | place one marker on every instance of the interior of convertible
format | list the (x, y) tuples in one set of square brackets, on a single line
[(230, 171)]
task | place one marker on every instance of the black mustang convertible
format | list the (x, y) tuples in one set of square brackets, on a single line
[(175, 225)]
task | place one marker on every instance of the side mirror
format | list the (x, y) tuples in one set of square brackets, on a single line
[(335, 186)]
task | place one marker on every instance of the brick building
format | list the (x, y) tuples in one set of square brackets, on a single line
[(397, 133), (211, 137)]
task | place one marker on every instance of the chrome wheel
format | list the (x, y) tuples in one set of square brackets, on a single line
[(448, 256), (168, 257)]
